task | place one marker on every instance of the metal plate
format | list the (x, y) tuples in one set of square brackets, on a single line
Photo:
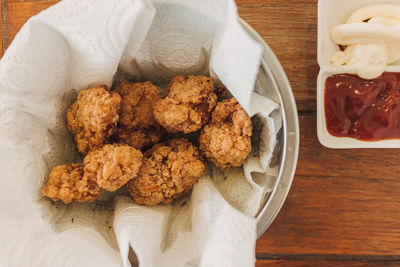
[(275, 85)]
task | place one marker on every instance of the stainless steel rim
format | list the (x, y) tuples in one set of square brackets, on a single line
[(290, 135)]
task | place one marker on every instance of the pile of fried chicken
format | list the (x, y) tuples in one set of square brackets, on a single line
[(112, 128)]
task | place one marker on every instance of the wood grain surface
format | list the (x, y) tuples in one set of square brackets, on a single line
[(323, 263), (344, 205)]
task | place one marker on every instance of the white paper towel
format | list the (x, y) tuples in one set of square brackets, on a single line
[(80, 43), (203, 231)]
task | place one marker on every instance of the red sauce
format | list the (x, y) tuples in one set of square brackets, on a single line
[(367, 110)]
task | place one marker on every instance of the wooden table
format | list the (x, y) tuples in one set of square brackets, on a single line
[(344, 205)]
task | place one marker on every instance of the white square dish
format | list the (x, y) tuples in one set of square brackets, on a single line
[(330, 141), (330, 14)]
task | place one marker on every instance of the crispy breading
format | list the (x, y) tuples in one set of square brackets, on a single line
[(140, 138), (188, 105), (67, 184), (226, 140), (137, 126), (93, 117), (112, 166), (168, 172)]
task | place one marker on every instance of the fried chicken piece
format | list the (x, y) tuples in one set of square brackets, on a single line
[(112, 166), (137, 104), (168, 172), (188, 105), (67, 184), (226, 140), (137, 126), (140, 138), (93, 117)]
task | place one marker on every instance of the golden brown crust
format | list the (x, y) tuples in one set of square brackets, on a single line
[(137, 104), (188, 104), (168, 172), (67, 184), (137, 126), (93, 117), (226, 140), (140, 138), (112, 166)]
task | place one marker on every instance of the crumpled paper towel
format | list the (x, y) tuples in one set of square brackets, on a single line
[(80, 43)]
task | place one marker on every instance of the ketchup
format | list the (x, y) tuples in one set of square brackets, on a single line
[(367, 110)]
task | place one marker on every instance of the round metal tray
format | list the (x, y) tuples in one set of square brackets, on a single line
[(276, 86)]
